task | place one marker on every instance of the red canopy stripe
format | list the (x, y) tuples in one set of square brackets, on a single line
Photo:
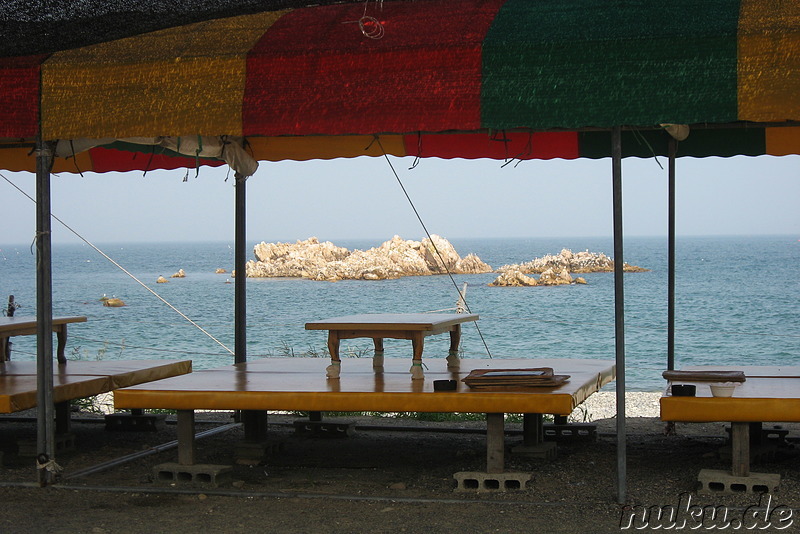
[(19, 96), (496, 145), (314, 72)]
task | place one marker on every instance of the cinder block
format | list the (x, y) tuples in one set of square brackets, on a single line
[(570, 432), (477, 481), (716, 481), (253, 453), (325, 429), (197, 474), (547, 450), (126, 422)]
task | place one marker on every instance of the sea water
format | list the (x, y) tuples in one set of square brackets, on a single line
[(736, 303)]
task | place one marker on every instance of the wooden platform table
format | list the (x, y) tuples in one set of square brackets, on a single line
[(77, 380), (27, 326), (379, 326), (769, 394), (296, 384)]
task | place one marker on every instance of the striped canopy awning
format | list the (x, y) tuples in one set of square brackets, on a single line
[(446, 78)]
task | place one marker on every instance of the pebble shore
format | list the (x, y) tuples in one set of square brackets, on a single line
[(603, 405)]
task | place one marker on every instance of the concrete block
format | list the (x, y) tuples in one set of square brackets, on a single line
[(477, 481), (254, 453), (324, 429), (570, 432), (196, 474), (547, 450), (716, 481), (127, 422)]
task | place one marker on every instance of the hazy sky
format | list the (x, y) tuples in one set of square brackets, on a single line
[(360, 198)]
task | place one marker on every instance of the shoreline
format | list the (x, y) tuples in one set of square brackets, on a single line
[(600, 405), (603, 405)]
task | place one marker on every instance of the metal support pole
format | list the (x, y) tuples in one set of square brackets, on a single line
[(255, 422), (673, 148), (619, 311), (240, 292), (45, 442)]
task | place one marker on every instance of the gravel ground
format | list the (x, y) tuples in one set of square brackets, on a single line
[(398, 478)]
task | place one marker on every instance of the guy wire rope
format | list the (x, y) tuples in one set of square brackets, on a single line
[(435, 249), (159, 297)]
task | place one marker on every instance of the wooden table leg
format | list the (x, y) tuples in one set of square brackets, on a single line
[(495, 443), (455, 340), (63, 417), (186, 445), (740, 449), (61, 336), (333, 345), (417, 344), (255, 425), (532, 429), (377, 359), (334, 368)]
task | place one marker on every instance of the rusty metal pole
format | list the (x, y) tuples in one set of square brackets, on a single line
[(255, 422), (45, 443), (673, 148), (619, 311), (240, 259)]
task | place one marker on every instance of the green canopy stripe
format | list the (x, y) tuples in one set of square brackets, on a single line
[(607, 61)]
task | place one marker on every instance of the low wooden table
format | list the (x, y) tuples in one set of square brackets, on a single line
[(295, 384), (769, 394), (26, 326), (79, 379), (378, 326)]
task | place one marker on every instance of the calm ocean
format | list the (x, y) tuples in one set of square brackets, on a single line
[(737, 302)]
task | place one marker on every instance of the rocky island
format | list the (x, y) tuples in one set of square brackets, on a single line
[(556, 269), (395, 258)]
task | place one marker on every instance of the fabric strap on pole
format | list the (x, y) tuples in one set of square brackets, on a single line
[(45, 441), (672, 149), (619, 311)]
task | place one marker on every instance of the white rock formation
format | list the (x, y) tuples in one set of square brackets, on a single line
[(393, 259), (513, 278), (572, 262)]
